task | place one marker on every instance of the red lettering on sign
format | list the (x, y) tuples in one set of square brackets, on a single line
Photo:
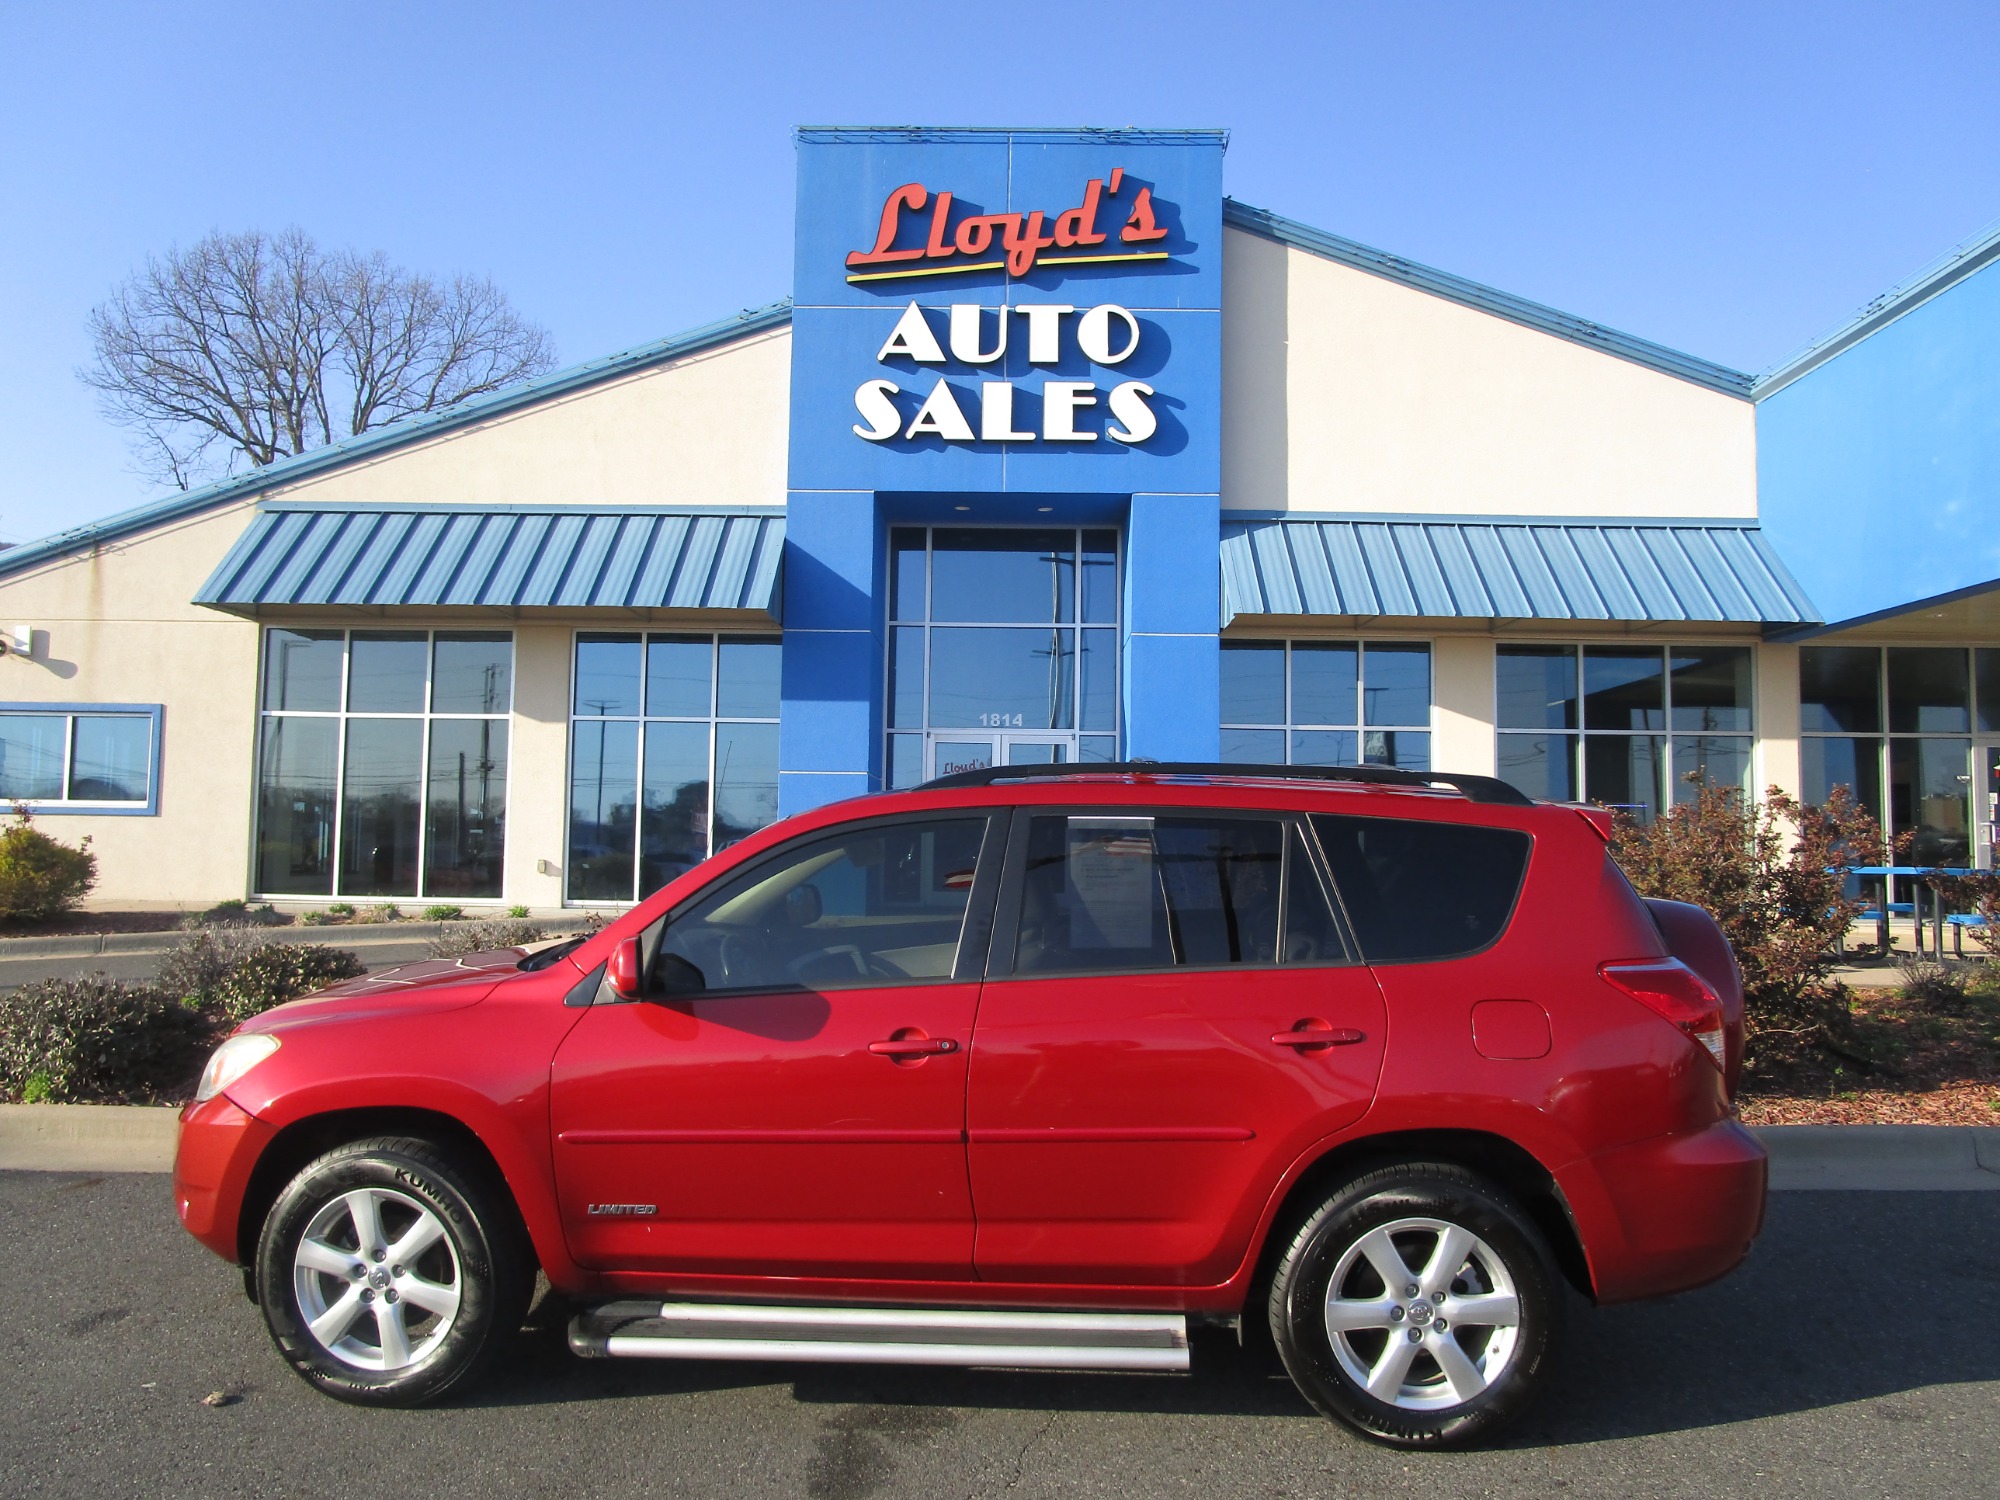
[(911, 195), (1021, 236), (1140, 227)]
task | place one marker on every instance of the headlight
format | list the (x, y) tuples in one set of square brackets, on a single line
[(231, 1061)]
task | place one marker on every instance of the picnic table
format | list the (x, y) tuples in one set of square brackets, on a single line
[(1923, 877)]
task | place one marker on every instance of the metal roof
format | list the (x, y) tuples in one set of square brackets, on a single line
[(1486, 299), (303, 555), (1534, 568), (1932, 280), (414, 429)]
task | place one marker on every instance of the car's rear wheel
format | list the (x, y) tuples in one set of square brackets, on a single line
[(390, 1272), (1419, 1305)]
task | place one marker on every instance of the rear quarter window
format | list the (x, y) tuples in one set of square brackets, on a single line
[(1421, 890)]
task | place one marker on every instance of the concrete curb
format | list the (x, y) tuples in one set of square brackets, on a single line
[(356, 935), (1804, 1158), (1883, 1158), (88, 1137)]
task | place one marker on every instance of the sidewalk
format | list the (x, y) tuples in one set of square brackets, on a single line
[(1804, 1158)]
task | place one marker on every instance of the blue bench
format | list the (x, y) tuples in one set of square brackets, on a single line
[(1958, 922)]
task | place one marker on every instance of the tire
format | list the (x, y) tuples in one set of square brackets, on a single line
[(366, 1325), (1340, 1323)]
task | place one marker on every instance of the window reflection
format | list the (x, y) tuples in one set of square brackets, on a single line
[(295, 805), (1350, 702), (378, 807), (108, 758), (302, 670), (385, 671), (465, 830)]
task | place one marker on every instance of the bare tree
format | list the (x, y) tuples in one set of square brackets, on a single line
[(247, 348)]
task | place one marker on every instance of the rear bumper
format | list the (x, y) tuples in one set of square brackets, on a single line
[(219, 1147), (1668, 1214)]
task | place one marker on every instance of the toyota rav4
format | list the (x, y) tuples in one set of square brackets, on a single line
[(1028, 1068)]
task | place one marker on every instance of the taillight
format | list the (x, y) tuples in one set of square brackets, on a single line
[(1673, 991)]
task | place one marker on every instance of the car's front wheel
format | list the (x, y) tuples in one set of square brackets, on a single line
[(1419, 1305), (390, 1272)]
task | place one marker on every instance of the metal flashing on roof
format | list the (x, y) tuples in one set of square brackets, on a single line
[(1486, 299), (1533, 568), (973, 135), (383, 439), (1933, 280), (506, 559)]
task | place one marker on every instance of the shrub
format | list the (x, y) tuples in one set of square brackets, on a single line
[(381, 911), (1771, 873), (341, 909), (443, 913), (237, 913), (315, 919), (484, 937), (197, 965), (518, 913), (91, 1040), (272, 973), (39, 876)]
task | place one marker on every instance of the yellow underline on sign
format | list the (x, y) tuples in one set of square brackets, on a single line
[(1098, 260), (984, 265)]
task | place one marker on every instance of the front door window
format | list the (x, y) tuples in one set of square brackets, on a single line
[(1003, 648)]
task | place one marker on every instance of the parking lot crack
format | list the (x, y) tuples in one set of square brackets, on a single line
[(1033, 1438)]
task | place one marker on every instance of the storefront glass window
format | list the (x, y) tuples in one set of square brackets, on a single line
[(1840, 690), (654, 793), (1917, 780), (1986, 674), (1928, 691), (1003, 648), (1649, 724), (401, 792), (1327, 703)]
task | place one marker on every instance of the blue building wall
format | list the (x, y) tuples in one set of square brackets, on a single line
[(1879, 470), (1162, 490)]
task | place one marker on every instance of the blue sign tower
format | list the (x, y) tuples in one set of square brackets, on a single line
[(1001, 328)]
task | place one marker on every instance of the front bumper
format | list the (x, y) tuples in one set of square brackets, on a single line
[(1668, 1214), (219, 1147)]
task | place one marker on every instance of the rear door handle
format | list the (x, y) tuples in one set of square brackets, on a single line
[(913, 1046), (1313, 1034)]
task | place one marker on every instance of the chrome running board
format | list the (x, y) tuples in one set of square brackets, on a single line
[(883, 1336)]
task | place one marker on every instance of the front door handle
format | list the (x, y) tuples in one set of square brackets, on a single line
[(1314, 1035), (913, 1046)]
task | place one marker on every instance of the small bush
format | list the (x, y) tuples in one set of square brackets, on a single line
[(91, 1040), (1928, 982), (315, 919), (341, 909), (240, 914), (382, 911), (273, 973), (443, 913), (484, 937), (518, 913), (202, 958), (40, 877), (1772, 874)]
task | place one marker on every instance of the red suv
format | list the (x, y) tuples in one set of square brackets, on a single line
[(1031, 1068)]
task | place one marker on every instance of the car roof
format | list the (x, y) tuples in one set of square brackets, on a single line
[(1488, 789)]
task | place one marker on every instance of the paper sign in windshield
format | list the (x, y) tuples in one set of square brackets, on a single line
[(1111, 882)]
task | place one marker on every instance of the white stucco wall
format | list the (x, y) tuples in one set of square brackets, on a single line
[(709, 429), (1345, 391), (115, 626)]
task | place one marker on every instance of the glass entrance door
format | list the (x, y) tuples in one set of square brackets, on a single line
[(1003, 648), (955, 752), (1986, 806)]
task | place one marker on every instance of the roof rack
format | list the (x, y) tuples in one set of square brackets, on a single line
[(1473, 788)]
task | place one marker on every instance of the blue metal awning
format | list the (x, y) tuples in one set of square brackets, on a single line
[(299, 555), (1531, 569)]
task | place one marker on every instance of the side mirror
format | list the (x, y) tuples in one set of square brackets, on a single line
[(623, 971)]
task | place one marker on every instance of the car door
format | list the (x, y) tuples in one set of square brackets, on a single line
[(1175, 1014), (789, 1100)]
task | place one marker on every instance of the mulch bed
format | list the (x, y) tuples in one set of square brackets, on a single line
[(1927, 1055)]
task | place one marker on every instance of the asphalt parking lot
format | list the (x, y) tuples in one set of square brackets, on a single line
[(1858, 1353)]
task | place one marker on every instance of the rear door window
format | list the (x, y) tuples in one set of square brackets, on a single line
[(1117, 891), (1418, 890)]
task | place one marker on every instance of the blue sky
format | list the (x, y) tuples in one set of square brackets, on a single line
[(1728, 179)]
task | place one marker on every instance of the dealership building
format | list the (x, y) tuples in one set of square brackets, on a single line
[(1053, 454)]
